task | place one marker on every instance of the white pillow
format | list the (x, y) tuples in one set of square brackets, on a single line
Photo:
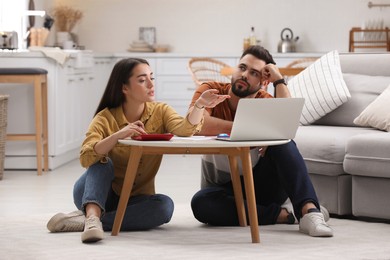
[(323, 87), (377, 114)]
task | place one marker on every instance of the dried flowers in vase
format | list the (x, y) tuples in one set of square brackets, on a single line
[(66, 18)]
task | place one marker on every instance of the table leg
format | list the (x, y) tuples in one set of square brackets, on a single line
[(250, 193), (237, 190), (131, 171)]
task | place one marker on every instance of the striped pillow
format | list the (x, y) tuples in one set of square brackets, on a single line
[(323, 87)]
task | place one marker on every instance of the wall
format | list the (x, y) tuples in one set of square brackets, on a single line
[(219, 26)]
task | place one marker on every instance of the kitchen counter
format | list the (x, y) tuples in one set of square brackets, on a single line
[(294, 55), (82, 58), (146, 55), (36, 54)]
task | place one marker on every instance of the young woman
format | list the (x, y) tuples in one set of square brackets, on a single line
[(126, 109)]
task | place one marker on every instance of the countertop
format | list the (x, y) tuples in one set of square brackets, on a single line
[(37, 54), (73, 53), (215, 55)]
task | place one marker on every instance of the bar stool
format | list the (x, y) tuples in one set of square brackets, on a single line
[(38, 78)]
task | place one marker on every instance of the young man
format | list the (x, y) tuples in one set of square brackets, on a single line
[(279, 172)]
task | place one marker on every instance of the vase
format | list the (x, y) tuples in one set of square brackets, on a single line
[(62, 37)]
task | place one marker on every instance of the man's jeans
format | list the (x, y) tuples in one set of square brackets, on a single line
[(143, 211), (280, 174)]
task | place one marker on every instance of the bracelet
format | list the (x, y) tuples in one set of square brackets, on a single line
[(279, 81), (195, 105)]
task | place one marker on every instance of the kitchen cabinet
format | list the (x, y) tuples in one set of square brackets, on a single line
[(75, 88), (69, 86), (102, 69), (173, 83)]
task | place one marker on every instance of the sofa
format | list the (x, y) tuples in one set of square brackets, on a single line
[(349, 162)]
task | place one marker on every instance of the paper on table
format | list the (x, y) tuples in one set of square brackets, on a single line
[(194, 138)]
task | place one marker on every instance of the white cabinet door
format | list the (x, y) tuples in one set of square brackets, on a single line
[(174, 84), (88, 102), (72, 95), (102, 71), (75, 105), (176, 91)]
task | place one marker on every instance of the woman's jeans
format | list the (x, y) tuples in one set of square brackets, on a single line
[(143, 211), (279, 175)]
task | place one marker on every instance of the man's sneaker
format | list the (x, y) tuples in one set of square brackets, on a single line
[(71, 222), (289, 207), (93, 230), (325, 212), (313, 224)]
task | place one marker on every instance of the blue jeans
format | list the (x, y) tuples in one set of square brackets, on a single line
[(280, 174), (143, 211)]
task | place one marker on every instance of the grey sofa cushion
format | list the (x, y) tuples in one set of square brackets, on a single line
[(323, 147), (364, 89), (368, 155)]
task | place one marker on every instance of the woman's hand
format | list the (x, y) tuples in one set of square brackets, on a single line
[(105, 145), (132, 129), (210, 98)]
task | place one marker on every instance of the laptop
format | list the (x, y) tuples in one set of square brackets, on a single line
[(263, 119)]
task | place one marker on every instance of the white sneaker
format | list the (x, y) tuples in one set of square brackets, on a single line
[(71, 222), (313, 224), (325, 212), (93, 230)]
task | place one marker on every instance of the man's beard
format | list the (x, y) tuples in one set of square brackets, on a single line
[(242, 89)]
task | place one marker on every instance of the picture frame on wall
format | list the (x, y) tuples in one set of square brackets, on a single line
[(148, 35)]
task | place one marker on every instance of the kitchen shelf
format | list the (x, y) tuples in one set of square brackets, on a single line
[(369, 39)]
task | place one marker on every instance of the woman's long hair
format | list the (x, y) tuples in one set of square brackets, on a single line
[(121, 73)]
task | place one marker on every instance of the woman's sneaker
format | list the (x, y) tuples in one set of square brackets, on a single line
[(93, 230), (71, 222)]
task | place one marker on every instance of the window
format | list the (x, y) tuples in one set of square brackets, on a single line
[(13, 17), (11, 14)]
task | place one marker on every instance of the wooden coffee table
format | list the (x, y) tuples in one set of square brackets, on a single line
[(199, 145)]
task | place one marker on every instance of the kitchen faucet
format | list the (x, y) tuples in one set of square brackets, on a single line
[(25, 34)]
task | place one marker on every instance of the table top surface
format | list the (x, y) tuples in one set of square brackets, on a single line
[(202, 142)]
